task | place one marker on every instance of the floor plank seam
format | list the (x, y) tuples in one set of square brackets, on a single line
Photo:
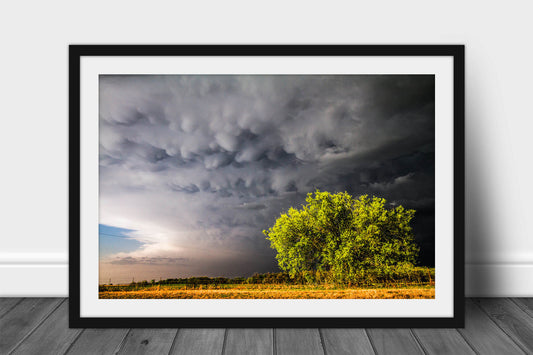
[(522, 306), (417, 341), (121, 345), (468, 342), (36, 326), (322, 342), (74, 341), (13, 306), (527, 351), (173, 345), (274, 342), (504, 332), (224, 341), (371, 342)]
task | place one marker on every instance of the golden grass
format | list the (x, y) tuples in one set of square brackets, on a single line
[(266, 292)]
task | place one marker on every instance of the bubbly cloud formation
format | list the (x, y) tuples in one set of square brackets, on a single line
[(198, 166)]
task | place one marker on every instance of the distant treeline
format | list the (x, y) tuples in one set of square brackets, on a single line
[(268, 278), (412, 276)]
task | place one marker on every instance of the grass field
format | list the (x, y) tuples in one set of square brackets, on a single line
[(265, 291)]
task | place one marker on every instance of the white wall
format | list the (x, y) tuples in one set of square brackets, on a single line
[(33, 128)]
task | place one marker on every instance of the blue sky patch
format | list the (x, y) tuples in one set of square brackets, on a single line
[(114, 240)]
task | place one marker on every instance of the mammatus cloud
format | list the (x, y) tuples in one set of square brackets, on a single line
[(198, 166)]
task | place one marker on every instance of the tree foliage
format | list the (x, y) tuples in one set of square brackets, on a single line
[(337, 238)]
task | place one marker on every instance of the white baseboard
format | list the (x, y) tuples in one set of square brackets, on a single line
[(46, 275), (34, 280), (499, 280), (34, 274)]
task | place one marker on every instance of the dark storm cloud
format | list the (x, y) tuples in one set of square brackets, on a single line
[(202, 164), (128, 260), (251, 206)]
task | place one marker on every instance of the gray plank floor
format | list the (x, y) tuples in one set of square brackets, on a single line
[(40, 326)]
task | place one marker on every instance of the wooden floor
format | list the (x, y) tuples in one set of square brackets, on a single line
[(40, 326)]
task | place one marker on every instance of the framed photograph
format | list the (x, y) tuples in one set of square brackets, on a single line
[(266, 186)]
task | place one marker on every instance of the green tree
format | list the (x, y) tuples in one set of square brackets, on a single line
[(337, 238)]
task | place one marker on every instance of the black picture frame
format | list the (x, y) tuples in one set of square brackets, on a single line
[(77, 52)]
